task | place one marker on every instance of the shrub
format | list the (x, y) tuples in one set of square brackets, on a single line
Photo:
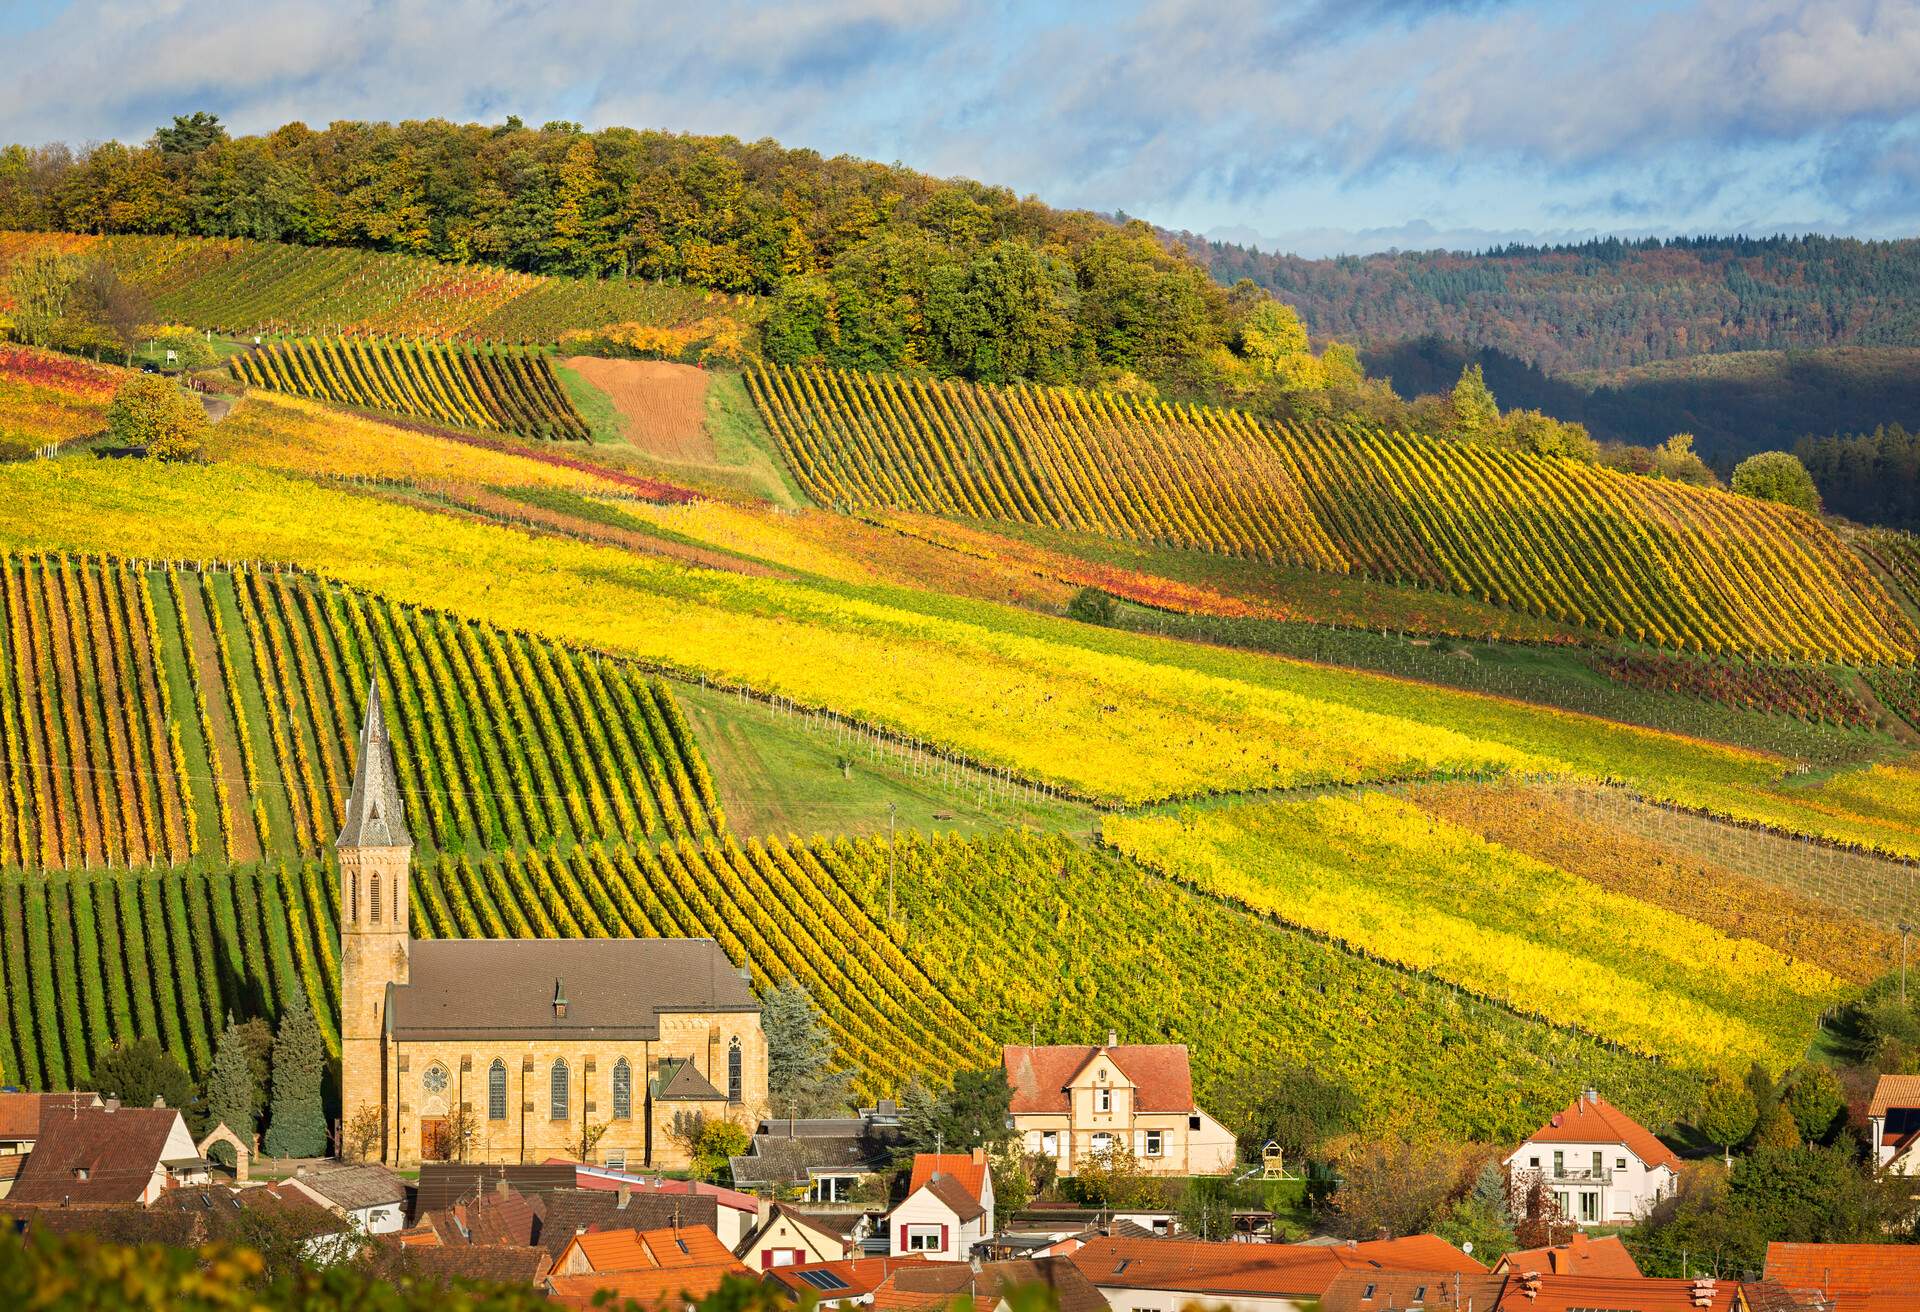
[(1777, 476), (153, 415)]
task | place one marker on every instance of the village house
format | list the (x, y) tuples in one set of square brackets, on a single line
[(948, 1208), (518, 1050), (100, 1152), (834, 1160), (985, 1286), (1849, 1277), (1544, 1293), (837, 1284), (1602, 1166), (651, 1267), (729, 1213), (370, 1198), (789, 1237), (1078, 1101), (1168, 1275), (1893, 1124), (1579, 1256)]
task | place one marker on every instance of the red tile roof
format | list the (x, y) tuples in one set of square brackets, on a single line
[(1580, 1256), (964, 1206), (937, 1285), (1595, 1120), (649, 1250), (969, 1169), (1894, 1091), (10, 1166), (1038, 1076), (119, 1151), (1858, 1277), (1222, 1269), (21, 1113), (1641, 1294), (858, 1276), (1364, 1289), (679, 1286), (497, 1264)]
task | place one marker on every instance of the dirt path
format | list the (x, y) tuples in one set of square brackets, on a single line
[(663, 407)]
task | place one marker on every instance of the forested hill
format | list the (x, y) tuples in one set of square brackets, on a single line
[(1606, 304), (864, 265)]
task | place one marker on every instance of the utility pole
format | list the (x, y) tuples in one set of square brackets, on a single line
[(893, 809), (1905, 930)]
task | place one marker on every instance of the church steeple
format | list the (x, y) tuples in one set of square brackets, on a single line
[(375, 815)]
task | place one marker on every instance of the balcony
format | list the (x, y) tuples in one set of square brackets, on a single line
[(1572, 1177)]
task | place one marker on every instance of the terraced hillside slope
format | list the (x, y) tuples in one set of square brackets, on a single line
[(1643, 559), (239, 286)]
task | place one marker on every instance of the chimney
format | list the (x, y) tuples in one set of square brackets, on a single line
[(559, 1000), (978, 1157), (111, 1104), (622, 1196), (500, 1186), (1113, 1039), (1593, 1095)]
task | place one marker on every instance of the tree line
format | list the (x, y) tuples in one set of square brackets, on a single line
[(1605, 304)]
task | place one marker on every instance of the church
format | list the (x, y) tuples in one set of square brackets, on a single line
[(601, 1050)]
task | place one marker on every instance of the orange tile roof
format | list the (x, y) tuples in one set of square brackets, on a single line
[(969, 1169), (1859, 1277), (858, 1276), (1581, 1256), (1618, 1294), (650, 1250), (1217, 1269), (1595, 1120), (1894, 1091), (938, 1285), (682, 1285), (1161, 1078)]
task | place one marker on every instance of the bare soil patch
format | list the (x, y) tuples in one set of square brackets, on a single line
[(663, 405)]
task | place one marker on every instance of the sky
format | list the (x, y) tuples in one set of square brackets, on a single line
[(1314, 126)]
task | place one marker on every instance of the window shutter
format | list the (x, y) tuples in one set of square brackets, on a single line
[(943, 1236), (1139, 1143)]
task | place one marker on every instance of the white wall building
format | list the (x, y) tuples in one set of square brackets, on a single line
[(1602, 1166), (1893, 1124), (948, 1208)]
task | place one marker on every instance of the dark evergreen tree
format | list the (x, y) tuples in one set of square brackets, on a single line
[(297, 1125), (231, 1100)]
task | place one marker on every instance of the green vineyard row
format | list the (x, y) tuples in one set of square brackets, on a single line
[(513, 391), (237, 285), (1656, 561), (995, 940), (152, 716)]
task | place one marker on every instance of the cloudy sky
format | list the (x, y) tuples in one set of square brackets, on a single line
[(1319, 126)]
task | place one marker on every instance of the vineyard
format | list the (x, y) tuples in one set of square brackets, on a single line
[(993, 939), (48, 399), (1381, 877), (152, 715), (233, 285), (1655, 561), (1805, 692), (514, 391), (1898, 554)]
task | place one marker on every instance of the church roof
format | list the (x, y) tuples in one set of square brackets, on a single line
[(375, 815), (614, 988)]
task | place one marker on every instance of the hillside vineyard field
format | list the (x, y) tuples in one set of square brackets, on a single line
[(1661, 563), (1465, 777)]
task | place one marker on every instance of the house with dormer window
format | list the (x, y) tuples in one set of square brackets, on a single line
[(948, 1208), (1075, 1102), (1601, 1166)]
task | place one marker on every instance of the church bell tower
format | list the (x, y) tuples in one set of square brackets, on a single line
[(374, 849)]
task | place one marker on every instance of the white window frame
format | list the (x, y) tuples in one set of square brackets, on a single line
[(1100, 1143), (923, 1237), (1103, 1100), (1156, 1143), (1050, 1142)]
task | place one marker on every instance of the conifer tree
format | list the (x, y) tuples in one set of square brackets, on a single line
[(298, 1125), (800, 1054), (230, 1092)]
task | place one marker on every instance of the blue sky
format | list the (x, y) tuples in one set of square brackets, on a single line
[(1319, 126)]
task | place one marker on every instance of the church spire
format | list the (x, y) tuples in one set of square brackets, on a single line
[(374, 814)]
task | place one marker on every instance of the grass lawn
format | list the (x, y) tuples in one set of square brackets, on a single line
[(603, 420), (776, 777)]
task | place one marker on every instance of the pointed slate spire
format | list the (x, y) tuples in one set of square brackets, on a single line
[(375, 817)]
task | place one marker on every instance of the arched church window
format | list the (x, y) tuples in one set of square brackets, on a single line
[(622, 1090), (497, 1091), (435, 1080), (558, 1090), (733, 1070)]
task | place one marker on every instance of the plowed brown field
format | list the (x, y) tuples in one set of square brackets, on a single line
[(664, 405)]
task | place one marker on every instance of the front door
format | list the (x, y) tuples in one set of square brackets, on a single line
[(435, 1140)]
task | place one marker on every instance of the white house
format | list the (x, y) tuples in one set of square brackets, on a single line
[(1602, 1166), (1893, 1124), (370, 1197), (948, 1208), (1072, 1102), (791, 1238)]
